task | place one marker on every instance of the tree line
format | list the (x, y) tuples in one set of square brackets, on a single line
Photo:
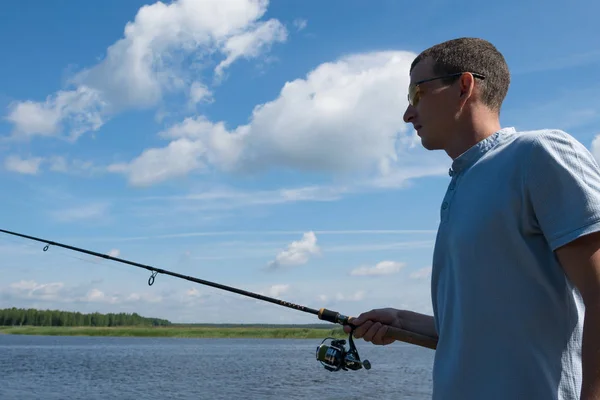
[(33, 317)]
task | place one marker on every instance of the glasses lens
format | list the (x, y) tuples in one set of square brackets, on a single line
[(412, 95)]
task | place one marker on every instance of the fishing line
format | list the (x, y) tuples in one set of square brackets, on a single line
[(29, 247), (333, 356)]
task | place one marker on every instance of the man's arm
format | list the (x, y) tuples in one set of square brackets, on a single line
[(372, 325), (418, 323), (581, 261)]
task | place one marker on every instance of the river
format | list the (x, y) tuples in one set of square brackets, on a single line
[(58, 367)]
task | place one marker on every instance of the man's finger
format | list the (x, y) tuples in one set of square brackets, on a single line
[(362, 318), (358, 320), (352, 322), (360, 331), (379, 336), (368, 336)]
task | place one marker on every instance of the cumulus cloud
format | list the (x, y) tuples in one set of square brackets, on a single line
[(162, 52), (57, 294), (344, 116), (199, 92), (251, 43), (297, 252), (55, 163), (381, 268), (29, 166), (154, 165), (77, 110)]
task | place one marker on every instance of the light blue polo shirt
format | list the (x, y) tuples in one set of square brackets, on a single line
[(509, 322)]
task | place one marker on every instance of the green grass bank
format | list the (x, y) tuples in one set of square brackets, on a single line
[(180, 331)]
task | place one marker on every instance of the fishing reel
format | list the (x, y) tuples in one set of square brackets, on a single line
[(335, 356)]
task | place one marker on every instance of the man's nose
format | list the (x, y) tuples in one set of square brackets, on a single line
[(409, 114)]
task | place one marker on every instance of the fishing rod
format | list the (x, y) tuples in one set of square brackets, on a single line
[(333, 356)]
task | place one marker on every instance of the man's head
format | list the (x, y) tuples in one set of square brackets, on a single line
[(474, 84)]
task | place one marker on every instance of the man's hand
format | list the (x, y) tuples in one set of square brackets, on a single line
[(373, 325)]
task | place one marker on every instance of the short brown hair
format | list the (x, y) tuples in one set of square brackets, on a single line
[(472, 55)]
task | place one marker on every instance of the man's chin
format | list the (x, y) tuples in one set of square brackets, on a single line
[(427, 144)]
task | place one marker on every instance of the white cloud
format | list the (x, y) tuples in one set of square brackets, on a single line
[(193, 293), (199, 92), (24, 285), (95, 210), (277, 290), (330, 300), (251, 43), (114, 253), (344, 117), (146, 297), (156, 165), (28, 166), (53, 163), (151, 61), (297, 252), (58, 294), (42, 291), (421, 273), (179, 302), (300, 23), (73, 166), (381, 268), (95, 295), (227, 199), (80, 110)]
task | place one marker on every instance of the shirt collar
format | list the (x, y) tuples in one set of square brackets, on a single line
[(469, 157)]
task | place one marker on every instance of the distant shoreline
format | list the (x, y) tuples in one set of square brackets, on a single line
[(230, 332)]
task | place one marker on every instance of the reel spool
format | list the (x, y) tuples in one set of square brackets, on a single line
[(335, 356)]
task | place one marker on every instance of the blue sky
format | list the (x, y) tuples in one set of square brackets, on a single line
[(259, 145)]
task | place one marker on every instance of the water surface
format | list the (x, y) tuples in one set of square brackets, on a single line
[(58, 367)]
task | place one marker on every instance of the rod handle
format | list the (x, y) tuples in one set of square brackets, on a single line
[(395, 333)]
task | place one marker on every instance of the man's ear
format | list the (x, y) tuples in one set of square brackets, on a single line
[(466, 86)]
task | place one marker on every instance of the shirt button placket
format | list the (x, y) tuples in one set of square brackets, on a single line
[(449, 194)]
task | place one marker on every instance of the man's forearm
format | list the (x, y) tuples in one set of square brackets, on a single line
[(418, 323), (590, 354)]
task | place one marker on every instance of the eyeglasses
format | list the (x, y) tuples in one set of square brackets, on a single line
[(414, 92)]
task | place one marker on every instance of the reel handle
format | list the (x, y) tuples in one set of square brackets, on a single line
[(402, 335)]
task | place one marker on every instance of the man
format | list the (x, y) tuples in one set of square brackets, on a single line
[(516, 266)]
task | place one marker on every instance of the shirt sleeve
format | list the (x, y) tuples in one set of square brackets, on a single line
[(563, 183)]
